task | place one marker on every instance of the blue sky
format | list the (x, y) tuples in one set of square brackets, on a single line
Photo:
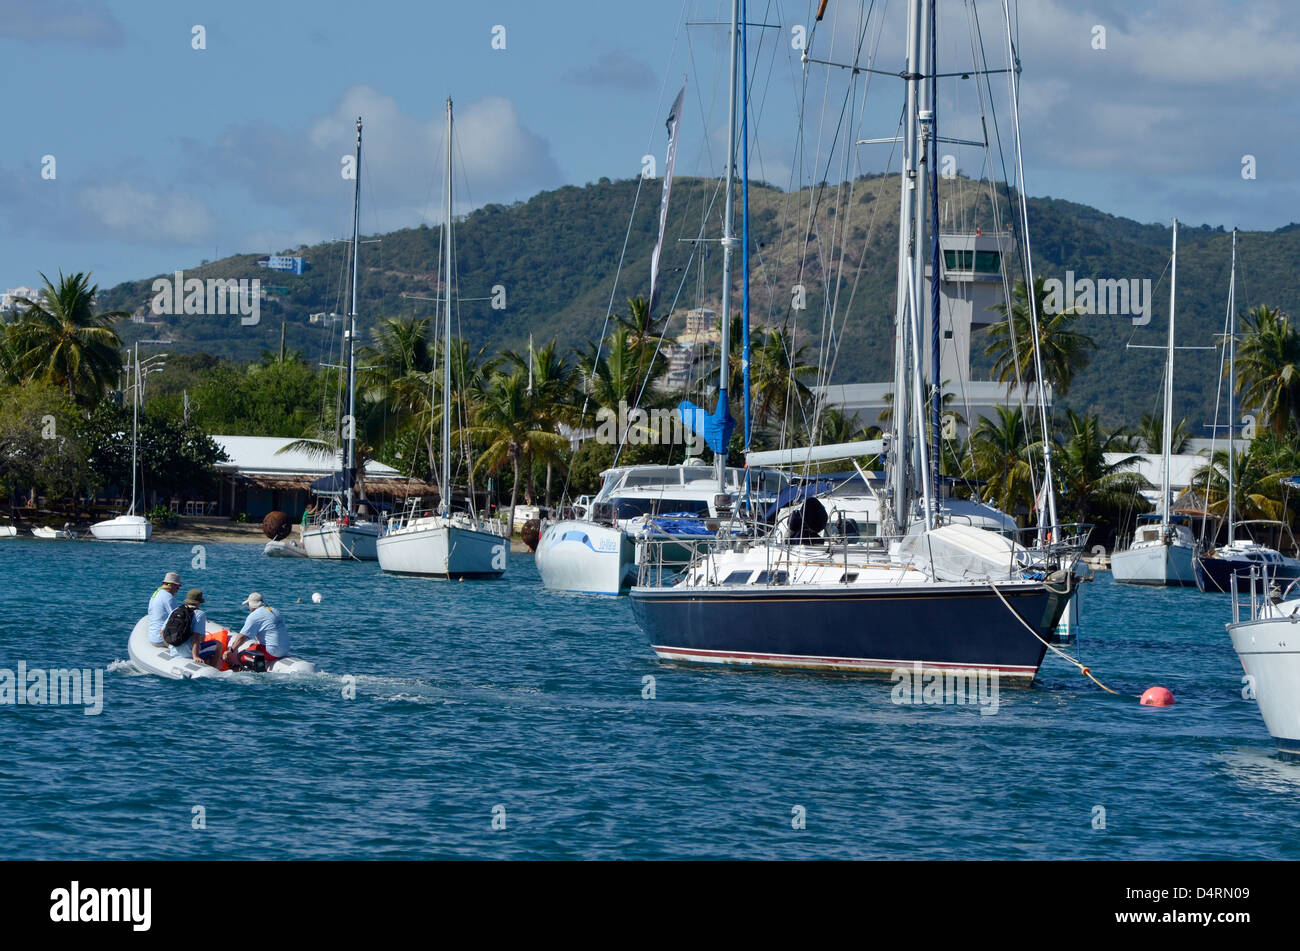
[(165, 155)]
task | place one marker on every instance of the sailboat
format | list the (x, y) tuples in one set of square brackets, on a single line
[(128, 527), (948, 596), (444, 544), (339, 532), (1163, 545), (1215, 567)]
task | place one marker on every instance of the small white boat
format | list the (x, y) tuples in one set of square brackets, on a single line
[(1266, 637), (123, 528), (154, 659), (443, 546), (55, 534), (128, 527), (286, 548), (8, 531)]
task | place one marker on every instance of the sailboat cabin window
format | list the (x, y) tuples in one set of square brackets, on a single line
[(737, 577), (772, 577)]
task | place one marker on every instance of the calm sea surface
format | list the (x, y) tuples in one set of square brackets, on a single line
[(483, 699)]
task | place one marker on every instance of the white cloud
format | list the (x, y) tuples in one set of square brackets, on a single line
[(126, 212)]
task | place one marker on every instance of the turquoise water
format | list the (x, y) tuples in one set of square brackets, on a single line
[(480, 696)]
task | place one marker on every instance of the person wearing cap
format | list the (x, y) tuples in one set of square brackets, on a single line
[(264, 625), (195, 646), (161, 605)]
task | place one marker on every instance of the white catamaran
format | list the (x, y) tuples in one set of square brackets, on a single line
[(339, 532), (444, 544)]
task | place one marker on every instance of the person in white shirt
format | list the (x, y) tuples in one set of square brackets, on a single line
[(264, 625), (161, 605)]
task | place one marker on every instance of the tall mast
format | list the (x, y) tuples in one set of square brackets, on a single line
[(445, 502), (744, 210), (135, 423), (729, 244), (1232, 378), (1169, 393), (349, 430), (900, 451), (1031, 287), (930, 131)]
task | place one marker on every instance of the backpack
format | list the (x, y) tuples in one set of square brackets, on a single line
[(179, 626)]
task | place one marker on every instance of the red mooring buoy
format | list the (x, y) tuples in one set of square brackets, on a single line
[(1157, 697)]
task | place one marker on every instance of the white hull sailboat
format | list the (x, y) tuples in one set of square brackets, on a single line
[(341, 534), (1163, 553), (445, 547), (338, 540), (123, 528), (1161, 561), (446, 544), (128, 527)]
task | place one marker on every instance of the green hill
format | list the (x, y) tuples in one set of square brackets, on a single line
[(556, 255)]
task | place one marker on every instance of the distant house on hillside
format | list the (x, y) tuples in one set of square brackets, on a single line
[(284, 262), (9, 299)]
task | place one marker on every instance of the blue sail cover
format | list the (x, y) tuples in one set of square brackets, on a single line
[(715, 428), (336, 483)]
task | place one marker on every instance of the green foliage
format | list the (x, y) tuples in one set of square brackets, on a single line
[(59, 338), (39, 444), (175, 456)]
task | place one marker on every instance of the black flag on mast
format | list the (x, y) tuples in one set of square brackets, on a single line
[(674, 123)]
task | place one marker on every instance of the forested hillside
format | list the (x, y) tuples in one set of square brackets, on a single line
[(557, 256)]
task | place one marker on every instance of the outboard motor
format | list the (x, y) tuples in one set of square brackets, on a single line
[(250, 658)]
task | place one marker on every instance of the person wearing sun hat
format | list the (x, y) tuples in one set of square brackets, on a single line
[(161, 605), (195, 646), (264, 625)]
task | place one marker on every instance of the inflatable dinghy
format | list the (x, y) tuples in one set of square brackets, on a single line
[(155, 659)]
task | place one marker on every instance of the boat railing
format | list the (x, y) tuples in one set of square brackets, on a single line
[(1262, 591), (664, 560), (1054, 547)]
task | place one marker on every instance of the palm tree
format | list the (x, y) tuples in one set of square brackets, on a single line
[(1256, 493), (1064, 351), (616, 372), (60, 339), (1151, 435), (1086, 479), (1268, 367), (554, 390), (1002, 460), (508, 422), (776, 368)]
